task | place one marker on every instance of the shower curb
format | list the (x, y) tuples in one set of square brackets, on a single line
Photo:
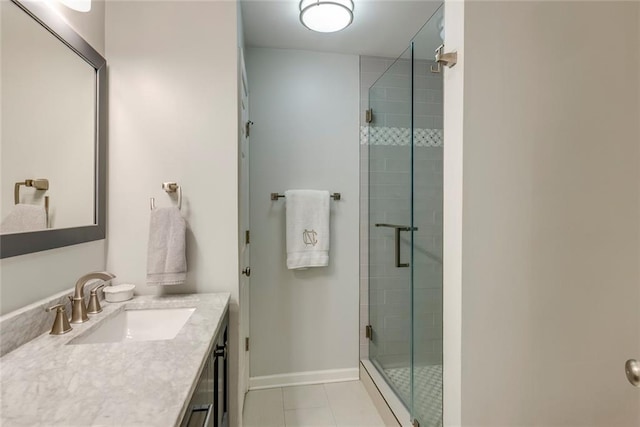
[(383, 401)]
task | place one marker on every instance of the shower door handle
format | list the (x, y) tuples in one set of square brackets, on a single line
[(398, 229), (398, 263)]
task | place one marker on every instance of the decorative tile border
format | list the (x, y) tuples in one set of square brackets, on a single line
[(394, 136)]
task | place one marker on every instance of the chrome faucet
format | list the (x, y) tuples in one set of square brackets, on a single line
[(78, 309)]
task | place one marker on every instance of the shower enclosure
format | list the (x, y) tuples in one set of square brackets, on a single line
[(405, 192)]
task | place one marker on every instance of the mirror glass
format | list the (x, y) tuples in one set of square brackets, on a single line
[(48, 127), (52, 112)]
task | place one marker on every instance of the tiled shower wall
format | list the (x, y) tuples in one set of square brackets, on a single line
[(390, 158)]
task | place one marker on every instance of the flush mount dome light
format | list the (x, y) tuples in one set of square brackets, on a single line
[(326, 16), (78, 5)]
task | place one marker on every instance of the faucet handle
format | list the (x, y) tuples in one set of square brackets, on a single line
[(94, 302), (60, 307), (97, 288), (61, 323)]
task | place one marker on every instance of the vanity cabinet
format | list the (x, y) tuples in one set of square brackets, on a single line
[(209, 403)]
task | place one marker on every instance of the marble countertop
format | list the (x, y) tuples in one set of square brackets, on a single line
[(46, 382)]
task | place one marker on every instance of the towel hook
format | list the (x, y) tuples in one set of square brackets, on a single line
[(169, 187)]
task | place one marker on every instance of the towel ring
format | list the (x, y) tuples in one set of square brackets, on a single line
[(38, 184), (169, 187)]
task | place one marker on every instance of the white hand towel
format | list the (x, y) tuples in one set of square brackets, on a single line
[(166, 257), (307, 228), (23, 218)]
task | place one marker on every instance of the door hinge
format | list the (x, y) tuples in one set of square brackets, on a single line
[(247, 129), (415, 423), (448, 59), (368, 332), (247, 237), (368, 115), (246, 344)]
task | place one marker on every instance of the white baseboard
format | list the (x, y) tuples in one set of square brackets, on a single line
[(304, 378)]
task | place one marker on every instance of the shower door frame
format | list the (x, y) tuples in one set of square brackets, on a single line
[(430, 371)]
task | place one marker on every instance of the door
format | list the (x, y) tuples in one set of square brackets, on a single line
[(390, 226), (202, 406), (427, 256), (244, 238), (405, 227), (221, 377)]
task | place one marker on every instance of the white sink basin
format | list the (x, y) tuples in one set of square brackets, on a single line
[(138, 325)]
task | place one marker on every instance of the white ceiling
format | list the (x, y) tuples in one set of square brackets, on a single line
[(379, 28)]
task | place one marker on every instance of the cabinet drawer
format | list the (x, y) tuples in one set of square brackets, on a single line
[(209, 403), (199, 416)]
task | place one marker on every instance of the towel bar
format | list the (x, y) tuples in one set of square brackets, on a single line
[(334, 196)]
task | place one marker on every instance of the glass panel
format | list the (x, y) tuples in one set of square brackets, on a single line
[(427, 219), (389, 142)]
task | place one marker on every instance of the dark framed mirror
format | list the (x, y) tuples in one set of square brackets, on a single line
[(54, 133)]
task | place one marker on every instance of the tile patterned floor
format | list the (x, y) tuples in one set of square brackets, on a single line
[(344, 404), (428, 391)]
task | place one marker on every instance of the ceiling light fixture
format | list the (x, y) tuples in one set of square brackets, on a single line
[(326, 16), (78, 5)]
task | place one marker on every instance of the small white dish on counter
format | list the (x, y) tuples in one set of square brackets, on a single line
[(118, 293)]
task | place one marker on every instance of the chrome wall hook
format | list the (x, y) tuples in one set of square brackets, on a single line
[(448, 59)]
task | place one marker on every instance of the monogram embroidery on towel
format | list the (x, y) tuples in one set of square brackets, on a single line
[(310, 237)]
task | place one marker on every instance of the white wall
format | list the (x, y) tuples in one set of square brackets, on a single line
[(453, 81), (173, 117), (28, 278), (305, 109), (550, 238)]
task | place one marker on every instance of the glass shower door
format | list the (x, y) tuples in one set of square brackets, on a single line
[(390, 177), (428, 189), (405, 145)]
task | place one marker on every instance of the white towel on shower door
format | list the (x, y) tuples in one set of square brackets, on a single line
[(307, 228)]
